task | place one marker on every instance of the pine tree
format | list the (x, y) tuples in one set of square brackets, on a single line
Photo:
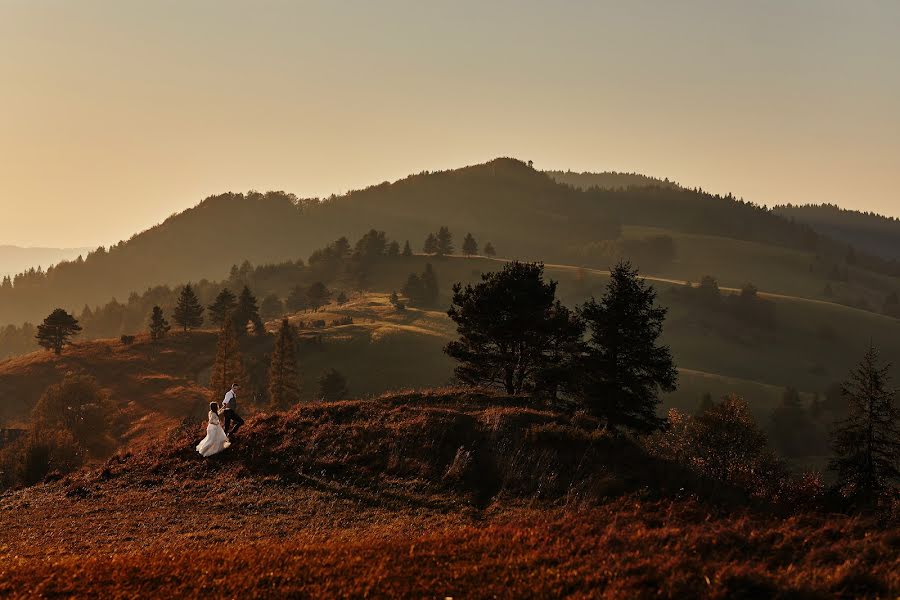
[(489, 250), (430, 286), (624, 368), (271, 307), (159, 327), (393, 249), (867, 442), (188, 312), (317, 295), (284, 378), (444, 242), (247, 311), (332, 386), (431, 245), (223, 306), (470, 246), (407, 250), (228, 367), (296, 300), (56, 330)]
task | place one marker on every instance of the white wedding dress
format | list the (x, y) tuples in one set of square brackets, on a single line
[(215, 440)]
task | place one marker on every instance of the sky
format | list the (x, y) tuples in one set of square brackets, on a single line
[(115, 114)]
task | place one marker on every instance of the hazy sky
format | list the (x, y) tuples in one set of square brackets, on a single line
[(115, 114)]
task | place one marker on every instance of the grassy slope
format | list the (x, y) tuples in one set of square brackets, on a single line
[(370, 498)]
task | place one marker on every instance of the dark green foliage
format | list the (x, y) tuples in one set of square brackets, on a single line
[(56, 330), (625, 367), (332, 386), (271, 307), (317, 296), (430, 246), (867, 441), (470, 246), (246, 312), (444, 242), (489, 250), (223, 306), (508, 329), (370, 247), (407, 250), (159, 327), (422, 290), (188, 312), (284, 378)]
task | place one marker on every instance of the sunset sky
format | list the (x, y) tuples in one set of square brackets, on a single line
[(115, 114)]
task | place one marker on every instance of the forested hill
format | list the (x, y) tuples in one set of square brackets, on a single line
[(608, 180), (869, 232), (14, 259), (523, 212)]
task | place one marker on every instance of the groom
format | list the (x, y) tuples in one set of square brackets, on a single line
[(229, 412)]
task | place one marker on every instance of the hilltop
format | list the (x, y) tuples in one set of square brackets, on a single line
[(446, 492), (14, 259), (609, 180)]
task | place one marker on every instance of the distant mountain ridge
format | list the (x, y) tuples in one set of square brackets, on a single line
[(15, 259), (608, 180), (870, 232)]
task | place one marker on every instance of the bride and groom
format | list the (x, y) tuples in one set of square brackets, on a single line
[(222, 426)]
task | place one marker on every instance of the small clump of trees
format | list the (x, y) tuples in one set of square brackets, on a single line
[(422, 289)]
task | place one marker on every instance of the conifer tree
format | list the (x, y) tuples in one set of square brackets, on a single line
[(56, 330), (296, 300), (624, 367), (223, 306), (393, 249), (429, 285), (247, 311), (284, 378), (317, 295), (444, 242), (159, 327), (431, 245), (470, 246), (867, 442), (188, 312), (407, 250), (228, 367), (332, 386), (489, 250)]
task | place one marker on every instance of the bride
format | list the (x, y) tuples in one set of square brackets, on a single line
[(215, 440)]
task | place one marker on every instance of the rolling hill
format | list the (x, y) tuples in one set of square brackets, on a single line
[(869, 232)]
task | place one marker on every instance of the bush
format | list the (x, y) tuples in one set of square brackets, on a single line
[(37, 455)]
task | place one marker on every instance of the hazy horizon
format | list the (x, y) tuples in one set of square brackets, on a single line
[(116, 116)]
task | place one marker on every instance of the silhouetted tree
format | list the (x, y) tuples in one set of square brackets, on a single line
[(867, 442), (341, 298), (317, 296), (188, 312), (430, 285), (430, 246), (407, 250), (228, 367), (625, 367), (470, 246), (505, 325), (421, 290), (56, 330), (489, 250), (271, 307), (396, 302), (224, 305), (78, 405), (284, 379), (332, 386), (247, 311), (159, 327), (393, 249), (444, 242)]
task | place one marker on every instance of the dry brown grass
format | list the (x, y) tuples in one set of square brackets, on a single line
[(421, 494)]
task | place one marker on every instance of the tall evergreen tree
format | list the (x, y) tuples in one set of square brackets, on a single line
[(56, 330), (228, 367), (223, 306), (188, 312), (247, 311), (271, 307), (159, 327), (489, 250), (407, 250), (444, 242), (296, 300), (284, 378), (624, 367), (431, 245), (393, 249), (430, 285), (317, 296), (470, 246), (867, 442)]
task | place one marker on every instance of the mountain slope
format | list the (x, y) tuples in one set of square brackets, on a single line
[(15, 259), (869, 232)]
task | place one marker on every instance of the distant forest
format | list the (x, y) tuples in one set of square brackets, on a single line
[(869, 232), (608, 180), (524, 212)]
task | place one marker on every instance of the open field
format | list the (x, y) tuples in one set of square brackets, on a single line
[(370, 498)]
